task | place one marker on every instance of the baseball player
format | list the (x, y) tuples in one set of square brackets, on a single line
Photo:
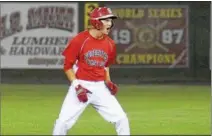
[(93, 52)]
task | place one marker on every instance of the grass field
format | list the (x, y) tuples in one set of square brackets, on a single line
[(156, 109)]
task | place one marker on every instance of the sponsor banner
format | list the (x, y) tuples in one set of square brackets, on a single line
[(88, 7), (151, 36), (33, 35)]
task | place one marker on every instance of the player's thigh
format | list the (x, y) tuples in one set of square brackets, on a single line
[(108, 106), (71, 107)]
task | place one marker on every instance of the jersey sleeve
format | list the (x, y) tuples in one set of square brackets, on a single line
[(112, 55), (71, 52)]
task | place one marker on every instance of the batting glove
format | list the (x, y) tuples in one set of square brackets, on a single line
[(81, 91), (112, 87)]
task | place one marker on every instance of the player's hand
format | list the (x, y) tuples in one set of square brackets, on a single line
[(112, 87), (82, 93)]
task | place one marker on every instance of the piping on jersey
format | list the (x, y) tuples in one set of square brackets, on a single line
[(75, 67), (83, 44)]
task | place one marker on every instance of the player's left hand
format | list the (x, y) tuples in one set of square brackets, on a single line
[(112, 87)]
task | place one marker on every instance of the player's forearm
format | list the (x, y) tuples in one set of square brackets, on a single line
[(107, 78), (70, 74), (72, 78), (68, 68)]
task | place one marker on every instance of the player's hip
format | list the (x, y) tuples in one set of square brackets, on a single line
[(91, 83)]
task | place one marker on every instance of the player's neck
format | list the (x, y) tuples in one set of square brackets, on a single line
[(96, 34)]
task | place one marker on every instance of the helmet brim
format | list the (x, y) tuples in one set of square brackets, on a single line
[(107, 16)]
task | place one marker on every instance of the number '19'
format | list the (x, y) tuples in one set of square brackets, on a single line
[(121, 36)]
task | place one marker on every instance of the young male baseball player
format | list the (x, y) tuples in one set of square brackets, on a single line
[(93, 52)]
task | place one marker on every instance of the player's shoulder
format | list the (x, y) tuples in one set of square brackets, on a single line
[(81, 36), (110, 40)]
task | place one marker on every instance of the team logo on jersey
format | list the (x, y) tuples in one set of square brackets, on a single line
[(90, 55)]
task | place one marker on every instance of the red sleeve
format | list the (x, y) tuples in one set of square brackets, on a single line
[(112, 55), (71, 53)]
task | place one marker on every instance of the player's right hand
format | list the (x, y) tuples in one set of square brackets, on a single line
[(82, 93), (112, 87)]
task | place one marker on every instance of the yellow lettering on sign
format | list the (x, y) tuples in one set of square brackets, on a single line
[(129, 12), (88, 8), (141, 58), (146, 58), (165, 13)]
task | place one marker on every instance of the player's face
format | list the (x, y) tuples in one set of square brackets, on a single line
[(107, 24)]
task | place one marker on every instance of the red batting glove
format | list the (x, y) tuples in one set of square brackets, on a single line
[(112, 87), (82, 93)]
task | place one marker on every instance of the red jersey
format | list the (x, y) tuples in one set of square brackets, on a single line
[(93, 55)]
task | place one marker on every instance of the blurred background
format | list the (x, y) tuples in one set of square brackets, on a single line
[(157, 42), (162, 66)]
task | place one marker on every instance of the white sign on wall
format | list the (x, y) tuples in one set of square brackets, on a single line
[(34, 35)]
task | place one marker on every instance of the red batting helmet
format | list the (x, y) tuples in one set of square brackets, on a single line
[(100, 13)]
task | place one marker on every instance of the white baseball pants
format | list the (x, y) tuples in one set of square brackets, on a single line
[(101, 99)]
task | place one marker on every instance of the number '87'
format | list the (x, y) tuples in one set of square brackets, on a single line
[(168, 36)]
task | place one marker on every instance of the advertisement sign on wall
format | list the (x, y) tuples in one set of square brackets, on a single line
[(33, 35)]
